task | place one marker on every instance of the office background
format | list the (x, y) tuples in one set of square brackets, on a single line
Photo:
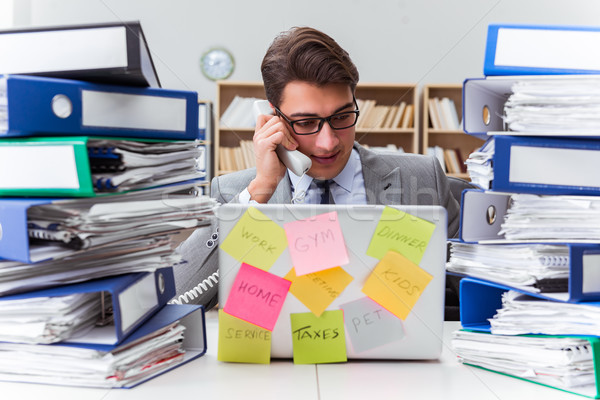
[(402, 41)]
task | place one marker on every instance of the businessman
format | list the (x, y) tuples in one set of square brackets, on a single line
[(310, 82)]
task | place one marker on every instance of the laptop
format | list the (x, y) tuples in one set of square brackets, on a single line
[(348, 252)]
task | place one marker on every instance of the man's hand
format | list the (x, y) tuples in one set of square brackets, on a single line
[(270, 131)]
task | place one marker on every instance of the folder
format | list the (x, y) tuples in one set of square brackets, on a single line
[(134, 298), (481, 215), (548, 166), (14, 240), (566, 363), (113, 366), (114, 52), (513, 49), (484, 100), (81, 166), (583, 282), (42, 106)]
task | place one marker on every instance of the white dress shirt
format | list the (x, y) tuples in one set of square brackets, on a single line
[(348, 186)]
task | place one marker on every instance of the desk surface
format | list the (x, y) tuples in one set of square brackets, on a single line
[(207, 378)]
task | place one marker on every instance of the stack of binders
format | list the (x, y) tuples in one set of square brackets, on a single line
[(529, 243), (100, 181)]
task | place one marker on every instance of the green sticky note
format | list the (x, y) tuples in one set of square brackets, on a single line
[(243, 342), (319, 340), (400, 232), (256, 240)]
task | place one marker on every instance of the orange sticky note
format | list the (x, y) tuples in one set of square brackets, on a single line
[(255, 239), (318, 290), (316, 243), (396, 283)]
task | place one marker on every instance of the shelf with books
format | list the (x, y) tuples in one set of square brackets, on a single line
[(442, 128), (234, 120)]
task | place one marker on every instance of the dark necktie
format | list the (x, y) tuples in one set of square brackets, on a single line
[(323, 186)]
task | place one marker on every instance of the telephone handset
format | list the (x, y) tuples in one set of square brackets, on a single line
[(297, 162)]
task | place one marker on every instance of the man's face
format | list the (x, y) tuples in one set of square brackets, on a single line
[(328, 149)]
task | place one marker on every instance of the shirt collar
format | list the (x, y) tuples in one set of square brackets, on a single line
[(344, 179)]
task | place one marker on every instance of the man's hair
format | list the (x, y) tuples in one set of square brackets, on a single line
[(308, 55)]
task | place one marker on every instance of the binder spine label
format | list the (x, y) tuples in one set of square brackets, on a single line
[(590, 273), (137, 301), (123, 111)]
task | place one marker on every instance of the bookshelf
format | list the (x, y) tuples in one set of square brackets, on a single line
[(228, 137), (447, 135)]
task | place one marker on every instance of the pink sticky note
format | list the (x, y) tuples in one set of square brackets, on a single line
[(257, 296), (316, 243)]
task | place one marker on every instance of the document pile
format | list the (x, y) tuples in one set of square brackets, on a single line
[(100, 181), (173, 336), (538, 267), (552, 218), (555, 106), (521, 314), (561, 362), (529, 243)]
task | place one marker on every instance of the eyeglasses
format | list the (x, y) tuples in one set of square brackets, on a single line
[(310, 126)]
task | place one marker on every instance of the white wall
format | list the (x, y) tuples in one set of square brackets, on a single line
[(423, 41)]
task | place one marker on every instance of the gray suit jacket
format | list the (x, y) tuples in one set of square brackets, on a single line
[(390, 179)]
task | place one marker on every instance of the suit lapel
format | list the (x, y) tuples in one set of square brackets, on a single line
[(382, 184), (283, 193)]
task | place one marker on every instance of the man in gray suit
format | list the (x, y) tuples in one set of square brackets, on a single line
[(310, 82)]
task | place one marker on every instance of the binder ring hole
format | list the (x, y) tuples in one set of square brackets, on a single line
[(491, 215), (487, 116), (62, 106), (161, 283)]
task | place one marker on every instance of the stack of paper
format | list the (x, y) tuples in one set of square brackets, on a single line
[(518, 265), (479, 165), (521, 314), (48, 319), (552, 218), (556, 361), (554, 105)]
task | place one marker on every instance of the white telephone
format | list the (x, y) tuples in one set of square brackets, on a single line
[(297, 162)]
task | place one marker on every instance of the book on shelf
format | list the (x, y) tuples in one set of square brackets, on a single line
[(443, 114), (396, 122), (115, 53), (239, 114), (408, 117)]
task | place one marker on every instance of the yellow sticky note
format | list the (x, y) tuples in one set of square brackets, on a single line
[(255, 240), (318, 290), (318, 340), (396, 283), (243, 342), (401, 232)]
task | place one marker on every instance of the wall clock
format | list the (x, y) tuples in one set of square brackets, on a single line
[(217, 63)]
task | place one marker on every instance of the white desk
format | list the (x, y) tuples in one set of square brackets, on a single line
[(207, 378)]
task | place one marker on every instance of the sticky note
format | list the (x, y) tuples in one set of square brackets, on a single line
[(316, 243), (396, 283), (369, 325), (318, 290), (401, 232), (318, 340), (240, 341), (255, 239), (257, 296)]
